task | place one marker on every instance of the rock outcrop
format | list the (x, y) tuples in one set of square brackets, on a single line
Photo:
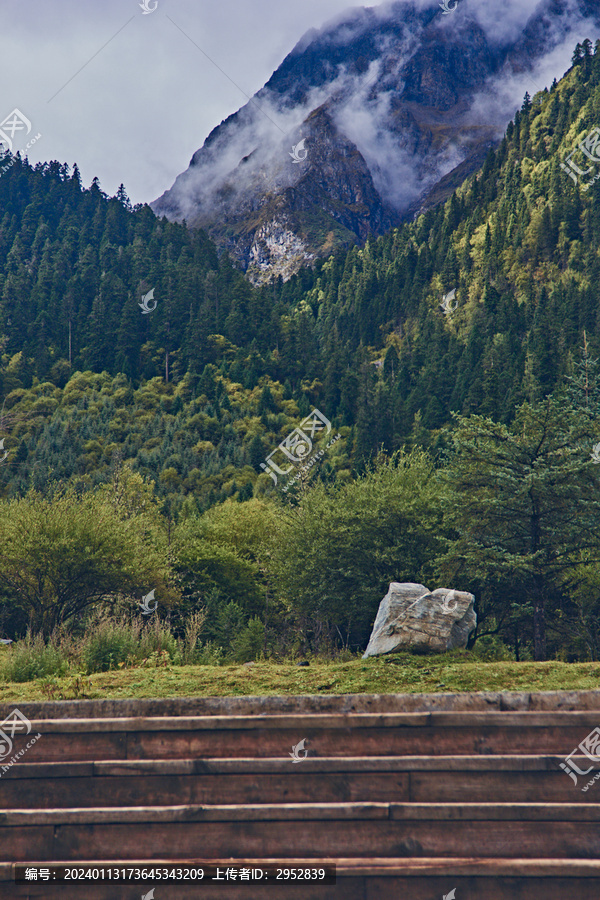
[(274, 215), (375, 118), (410, 617)]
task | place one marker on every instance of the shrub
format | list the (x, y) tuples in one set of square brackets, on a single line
[(34, 658), (156, 638), (249, 642), (109, 644), (210, 654), (193, 627), (490, 648)]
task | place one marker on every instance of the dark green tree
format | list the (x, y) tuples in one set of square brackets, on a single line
[(525, 503)]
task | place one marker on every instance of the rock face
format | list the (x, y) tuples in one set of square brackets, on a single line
[(412, 617), (389, 114), (273, 215)]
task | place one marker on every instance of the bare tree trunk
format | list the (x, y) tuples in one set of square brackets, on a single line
[(266, 617), (539, 625)]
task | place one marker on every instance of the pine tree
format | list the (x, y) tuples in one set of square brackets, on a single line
[(122, 197), (526, 504), (583, 387)]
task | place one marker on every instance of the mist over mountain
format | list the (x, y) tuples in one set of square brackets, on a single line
[(394, 106)]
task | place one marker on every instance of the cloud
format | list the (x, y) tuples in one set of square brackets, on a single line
[(248, 149), (503, 94), (364, 104), (503, 21), (145, 98), (365, 119)]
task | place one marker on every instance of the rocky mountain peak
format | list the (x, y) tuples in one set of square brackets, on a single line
[(372, 119)]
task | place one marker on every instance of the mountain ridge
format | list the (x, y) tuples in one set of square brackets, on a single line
[(398, 86)]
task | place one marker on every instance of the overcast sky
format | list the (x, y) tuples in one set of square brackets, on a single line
[(138, 110), (130, 98)]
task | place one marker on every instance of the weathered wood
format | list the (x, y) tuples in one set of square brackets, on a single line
[(541, 831), (309, 703), (329, 735), (428, 794), (168, 782)]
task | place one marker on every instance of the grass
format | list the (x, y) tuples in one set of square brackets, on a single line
[(401, 673)]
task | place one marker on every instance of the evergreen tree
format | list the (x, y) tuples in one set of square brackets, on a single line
[(526, 503)]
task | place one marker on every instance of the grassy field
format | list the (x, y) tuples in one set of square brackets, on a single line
[(391, 674)]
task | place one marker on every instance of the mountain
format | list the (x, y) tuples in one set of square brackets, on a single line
[(486, 304), (196, 393), (326, 200), (393, 107)]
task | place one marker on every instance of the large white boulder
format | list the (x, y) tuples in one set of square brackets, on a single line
[(412, 617)]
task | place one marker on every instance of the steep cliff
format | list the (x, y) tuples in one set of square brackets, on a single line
[(388, 110)]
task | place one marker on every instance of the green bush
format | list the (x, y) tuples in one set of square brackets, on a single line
[(209, 654), (109, 644), (156, 638), (34, 658), (490, 648), (249, 642), (112, 643), (224, 621), (158, 659)]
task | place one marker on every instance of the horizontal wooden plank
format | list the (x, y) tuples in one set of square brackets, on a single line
[(309, 703), (353, 867), (308, 812), (558, 718), (376, 835), (368, 879), (269, 765)]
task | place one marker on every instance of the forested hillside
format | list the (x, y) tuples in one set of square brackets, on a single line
[(182, 390), (519, 242), (195, 394)]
